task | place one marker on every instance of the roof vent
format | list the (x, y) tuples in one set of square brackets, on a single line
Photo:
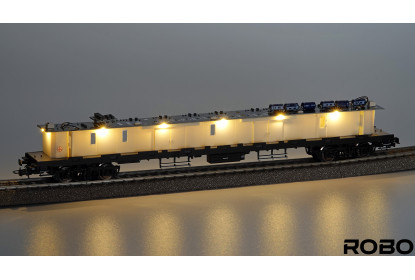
[(100, 119)]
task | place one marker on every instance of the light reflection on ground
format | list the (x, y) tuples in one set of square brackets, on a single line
[(163, 235), (44, 239), (102, 237), (308, 218), (277, 230), (332, 218), (221, 232)]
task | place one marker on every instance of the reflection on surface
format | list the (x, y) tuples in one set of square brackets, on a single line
[(309, 218), (331, 224), (45, 240), (102, 237), (277, 230), (163, 236), (374, 213), (221, 235)]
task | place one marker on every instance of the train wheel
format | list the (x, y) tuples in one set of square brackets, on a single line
[(365, 149), (106, 171), (63, 175), (328, 154), (316, 156), (315, 152)]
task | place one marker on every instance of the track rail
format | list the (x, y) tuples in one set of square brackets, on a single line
[(25, 182), (206, 170)]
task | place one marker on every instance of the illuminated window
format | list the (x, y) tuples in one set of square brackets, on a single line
[(212, 129), (124, 135), (93, 138)]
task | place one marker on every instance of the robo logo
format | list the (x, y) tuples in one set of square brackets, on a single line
[(385, 246), (59, 149)]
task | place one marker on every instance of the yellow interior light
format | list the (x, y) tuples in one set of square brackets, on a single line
[(334, 115), (222, 123), (280, 117), (163, 125), (102, 132), (42, 129)]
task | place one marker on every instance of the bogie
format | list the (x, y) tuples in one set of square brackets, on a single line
[(103, 171), (331, 153)]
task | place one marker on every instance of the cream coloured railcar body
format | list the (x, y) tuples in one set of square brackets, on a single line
[(199, 134)]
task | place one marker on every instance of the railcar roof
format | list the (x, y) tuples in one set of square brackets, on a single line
[(177, 119)]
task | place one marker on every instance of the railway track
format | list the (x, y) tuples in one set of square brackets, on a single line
[(206, 170), (25, 182)]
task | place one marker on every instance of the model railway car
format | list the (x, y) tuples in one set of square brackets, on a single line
[(92, 150)]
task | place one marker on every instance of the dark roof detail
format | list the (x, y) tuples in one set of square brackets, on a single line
[(110, 121)]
